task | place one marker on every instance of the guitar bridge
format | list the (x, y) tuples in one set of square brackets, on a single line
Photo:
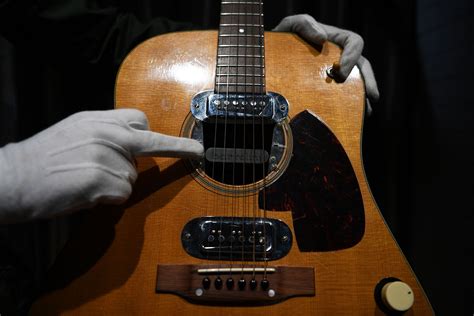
[(226, 285)]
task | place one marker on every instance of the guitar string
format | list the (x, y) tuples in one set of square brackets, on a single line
[(244, 162), (264, 204), (250, 187), (254, 185), (216, 200), (224, 195), (233, 193), (231, 188), (239, 192), (225, 198)]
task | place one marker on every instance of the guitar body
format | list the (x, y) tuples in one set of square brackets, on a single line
[(110, 265)]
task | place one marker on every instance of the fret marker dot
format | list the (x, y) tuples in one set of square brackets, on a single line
[(241, 31)]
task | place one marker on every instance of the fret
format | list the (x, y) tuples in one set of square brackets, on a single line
[(237, 2), (239, 89), (237, 79), (242, 84), (241, 35), (242, 55), (236, 65), (240, 14), (242, 25), (240, 51), (240, 75), (235, 45), (255, 55)]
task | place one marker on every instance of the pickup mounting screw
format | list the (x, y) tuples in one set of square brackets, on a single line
[(285, 238), (187, 236)]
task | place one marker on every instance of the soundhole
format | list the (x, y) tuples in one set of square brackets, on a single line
[(241, 155)]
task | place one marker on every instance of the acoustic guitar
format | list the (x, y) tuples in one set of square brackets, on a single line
[(277, 218)]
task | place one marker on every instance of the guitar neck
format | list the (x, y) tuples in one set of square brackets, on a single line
[(241, 48)]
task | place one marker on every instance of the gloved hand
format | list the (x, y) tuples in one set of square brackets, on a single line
[(313, 32), (87, 158)]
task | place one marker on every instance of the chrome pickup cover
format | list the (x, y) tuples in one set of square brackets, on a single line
[(272, 106), (236, 238)]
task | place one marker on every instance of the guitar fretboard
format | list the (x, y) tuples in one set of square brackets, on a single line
[(241, 49)]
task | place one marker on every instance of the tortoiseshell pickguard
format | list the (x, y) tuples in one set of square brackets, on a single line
[(320, 188)]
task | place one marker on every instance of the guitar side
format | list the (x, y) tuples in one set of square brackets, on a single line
[(118, 275)]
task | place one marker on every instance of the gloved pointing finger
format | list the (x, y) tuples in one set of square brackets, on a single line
[(83, 160), (147, 143)]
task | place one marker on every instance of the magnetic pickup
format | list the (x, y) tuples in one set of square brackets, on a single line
[(236, 238), (270, 106)]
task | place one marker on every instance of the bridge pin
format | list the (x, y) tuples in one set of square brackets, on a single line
[(265, 284), (206, 283), (230, 283), (253, 284), (218, 283), (242, 284)]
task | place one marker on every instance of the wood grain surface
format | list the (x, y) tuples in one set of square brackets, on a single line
[(109, 267)]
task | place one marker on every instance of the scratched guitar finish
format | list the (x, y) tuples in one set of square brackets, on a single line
[(277, 218)]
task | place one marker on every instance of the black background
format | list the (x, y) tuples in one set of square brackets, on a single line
[(417, 144)]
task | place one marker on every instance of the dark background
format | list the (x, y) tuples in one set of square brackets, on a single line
[(417, 144)]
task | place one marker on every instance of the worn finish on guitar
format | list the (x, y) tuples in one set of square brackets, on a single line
[(109, 268)]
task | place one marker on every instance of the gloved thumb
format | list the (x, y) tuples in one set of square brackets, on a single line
[(305, 26)]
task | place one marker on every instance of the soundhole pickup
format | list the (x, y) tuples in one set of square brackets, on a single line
[(271, 106), (235, 285), (236, 238)]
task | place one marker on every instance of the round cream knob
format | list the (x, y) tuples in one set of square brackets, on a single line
[(397, 296)]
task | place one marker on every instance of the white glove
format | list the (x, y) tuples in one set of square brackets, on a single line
[(87, 158), (317, 33)]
